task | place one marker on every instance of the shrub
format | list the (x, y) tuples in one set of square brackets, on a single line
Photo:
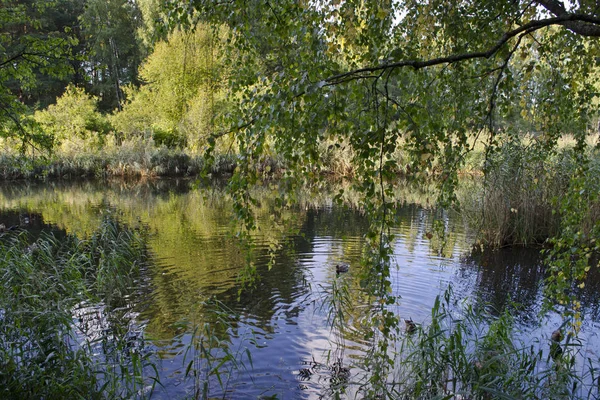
[(74, 121)]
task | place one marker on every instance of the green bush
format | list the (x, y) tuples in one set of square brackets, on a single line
[(168, 138), (74, 121)]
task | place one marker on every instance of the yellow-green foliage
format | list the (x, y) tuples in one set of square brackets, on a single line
[(74, 122), (184, 89), (151, 12)]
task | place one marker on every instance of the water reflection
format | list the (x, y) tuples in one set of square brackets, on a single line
[(283, 320), (517, 272)]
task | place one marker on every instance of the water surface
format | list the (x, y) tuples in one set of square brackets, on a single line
[(279, 333)]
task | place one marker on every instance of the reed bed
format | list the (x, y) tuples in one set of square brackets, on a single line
[(517, 202), (56, 293), (465, 352)]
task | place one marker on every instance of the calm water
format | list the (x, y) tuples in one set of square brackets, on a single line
[(278, 333)]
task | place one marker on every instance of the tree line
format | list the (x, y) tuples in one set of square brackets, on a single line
[(68, 68)]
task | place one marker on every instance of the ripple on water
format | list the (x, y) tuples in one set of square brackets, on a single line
[(284, 324)]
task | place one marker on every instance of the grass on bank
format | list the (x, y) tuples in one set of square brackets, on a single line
[(132, 158), (55, 293)]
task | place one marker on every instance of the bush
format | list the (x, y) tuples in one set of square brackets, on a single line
[(74, 121), (168, 138)]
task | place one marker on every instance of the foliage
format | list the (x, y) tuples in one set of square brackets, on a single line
[(51, 20), (574, 252), (184, 89), (365, 94), (375, 75), (74, 116), (30, 46), (46, 351), (47, 45), (152, 16), (209, 359)]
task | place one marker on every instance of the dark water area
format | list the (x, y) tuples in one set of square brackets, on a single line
[(279, 335)]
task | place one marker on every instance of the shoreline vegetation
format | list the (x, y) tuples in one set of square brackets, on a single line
[(510, 197), (502, 119), (513, 205), (56, 290), (144, 157)]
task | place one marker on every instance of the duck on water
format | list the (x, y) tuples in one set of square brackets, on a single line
[(342, 268)]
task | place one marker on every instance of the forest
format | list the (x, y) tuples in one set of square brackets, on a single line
[(480, 110)]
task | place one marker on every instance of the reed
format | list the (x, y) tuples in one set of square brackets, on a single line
[(515, 203), (467, 353), (212, 360), (130, 159), (55, 294)]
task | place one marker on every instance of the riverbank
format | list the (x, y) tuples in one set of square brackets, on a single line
[(511, 197), (143, 158), (131, 160)]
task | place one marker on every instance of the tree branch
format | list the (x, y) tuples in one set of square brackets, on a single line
[(583, 28), (23, 54), (419, 64)]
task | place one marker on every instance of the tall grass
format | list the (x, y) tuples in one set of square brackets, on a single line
[(137, 157), (211, 360), (133, 158), (515, 203), (465, 353), (54, 341)]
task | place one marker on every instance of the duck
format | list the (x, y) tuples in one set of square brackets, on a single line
[(555, 348), (556, 336), (411, 327), (342, 268)]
